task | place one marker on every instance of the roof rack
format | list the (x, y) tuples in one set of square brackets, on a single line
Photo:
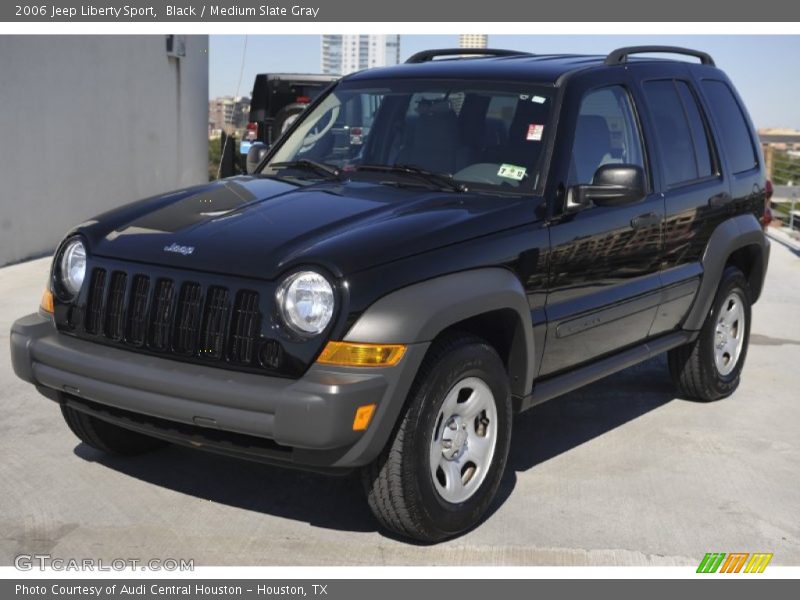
[(429, 55), (620, 55)]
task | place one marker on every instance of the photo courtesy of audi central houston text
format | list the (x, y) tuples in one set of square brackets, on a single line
[(400, 299)]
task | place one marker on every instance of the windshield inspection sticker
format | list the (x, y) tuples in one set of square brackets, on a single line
[(539, 99), (535, 132), (512, 172)]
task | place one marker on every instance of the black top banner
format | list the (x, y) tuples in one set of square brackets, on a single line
[(405, 11)]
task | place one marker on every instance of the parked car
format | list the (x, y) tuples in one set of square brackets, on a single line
[(432, 248), (276, 101)]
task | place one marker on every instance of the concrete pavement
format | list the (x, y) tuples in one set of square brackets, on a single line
[(618, 473)]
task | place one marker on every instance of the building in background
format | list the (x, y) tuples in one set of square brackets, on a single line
[(473, 40), (228, 114), (90, 123), (343, 54)]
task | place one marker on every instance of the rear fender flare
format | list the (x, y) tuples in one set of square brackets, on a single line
[(729, 236)]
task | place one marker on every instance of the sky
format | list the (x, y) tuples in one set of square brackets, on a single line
[(757, 65)]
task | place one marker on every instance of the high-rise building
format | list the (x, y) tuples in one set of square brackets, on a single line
[(473, 40), (343, 54)]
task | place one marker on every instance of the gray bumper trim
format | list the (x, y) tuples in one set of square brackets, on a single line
[(312, 415)]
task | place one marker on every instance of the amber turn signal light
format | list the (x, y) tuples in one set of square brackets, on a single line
[(363, 417), (47, 302), (346, 354)]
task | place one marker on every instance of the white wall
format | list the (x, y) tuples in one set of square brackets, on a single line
[(88, 123)]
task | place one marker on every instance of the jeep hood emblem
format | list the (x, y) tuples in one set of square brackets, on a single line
[(178, 249)]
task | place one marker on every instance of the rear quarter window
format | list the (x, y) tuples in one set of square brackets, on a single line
[(734, 132)]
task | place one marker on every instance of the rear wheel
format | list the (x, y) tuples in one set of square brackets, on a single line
[(440, 472), (106, 437), (709, 368)]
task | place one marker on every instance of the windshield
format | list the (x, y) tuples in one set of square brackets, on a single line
[(484, 136)]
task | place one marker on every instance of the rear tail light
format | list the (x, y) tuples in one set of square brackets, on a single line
[(304, 99), (252, 132), (766, 218)]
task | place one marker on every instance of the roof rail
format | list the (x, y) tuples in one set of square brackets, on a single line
[(620, 55), (428, 55)]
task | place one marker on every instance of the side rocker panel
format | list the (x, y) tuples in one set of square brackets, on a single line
[(730, 236)]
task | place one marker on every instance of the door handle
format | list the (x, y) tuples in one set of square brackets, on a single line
[(647, 220)]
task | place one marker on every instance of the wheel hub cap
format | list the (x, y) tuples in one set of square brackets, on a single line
[(463, 440), (729, 334)]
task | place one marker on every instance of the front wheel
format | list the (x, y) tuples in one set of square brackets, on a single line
[(709, 368), (440, 472)]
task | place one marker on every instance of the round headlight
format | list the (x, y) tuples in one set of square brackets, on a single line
[(306, 302), (72, 266)]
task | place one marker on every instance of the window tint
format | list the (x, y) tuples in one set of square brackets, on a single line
[(606, 133), (698, 129), (672, 129), (734, 130)]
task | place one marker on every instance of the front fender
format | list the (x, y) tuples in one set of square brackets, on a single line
[(420, 312)]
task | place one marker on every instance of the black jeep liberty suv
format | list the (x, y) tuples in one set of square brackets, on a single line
[(429, 249)]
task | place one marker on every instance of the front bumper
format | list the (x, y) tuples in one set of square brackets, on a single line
[(309, 419)]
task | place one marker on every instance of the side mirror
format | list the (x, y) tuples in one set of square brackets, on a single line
[(256, 153), (612, 185)]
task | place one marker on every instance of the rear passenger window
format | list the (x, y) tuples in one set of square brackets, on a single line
[(735, 132), (679, 128), (698, 128)]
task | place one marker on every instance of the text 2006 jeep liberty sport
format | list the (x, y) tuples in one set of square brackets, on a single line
[(429, 249)]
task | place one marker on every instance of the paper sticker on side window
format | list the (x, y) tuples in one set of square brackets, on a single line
[(535, 132)]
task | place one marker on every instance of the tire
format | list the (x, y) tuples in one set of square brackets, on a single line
[(406, 485), (696, 369), (108, 438), (284, 119)]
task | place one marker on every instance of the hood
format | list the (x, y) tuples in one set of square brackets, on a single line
[(258, 227)]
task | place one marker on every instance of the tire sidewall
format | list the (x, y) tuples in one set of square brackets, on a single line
[(473, 360)]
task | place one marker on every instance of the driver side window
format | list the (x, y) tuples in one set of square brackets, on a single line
[(606, 132)]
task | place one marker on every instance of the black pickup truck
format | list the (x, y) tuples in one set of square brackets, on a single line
[(429, 249)]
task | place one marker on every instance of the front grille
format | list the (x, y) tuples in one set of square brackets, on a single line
[(94, 306), (115, 324), (215, 320), (244, 327), (184, 319), (137, 323), (187, 319), (161, 316)]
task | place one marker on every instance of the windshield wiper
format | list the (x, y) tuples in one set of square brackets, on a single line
[(440, 180), (320, 168)]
